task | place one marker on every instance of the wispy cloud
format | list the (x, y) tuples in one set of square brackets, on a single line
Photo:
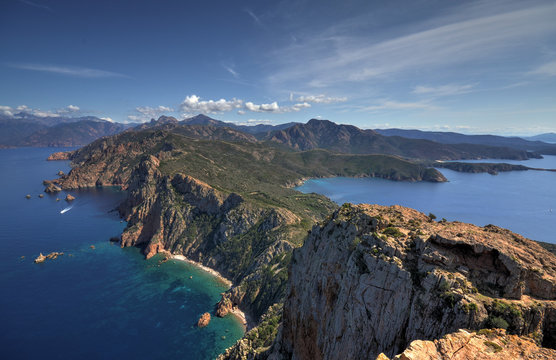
[(254, 17), (68, 70), (231, 70), (320, 99), (338, 56), (396, 105), (545, 69), (442, 90), (40, 6)]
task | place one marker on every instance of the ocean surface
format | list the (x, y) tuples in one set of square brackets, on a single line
[(92, 303), (522, 201)]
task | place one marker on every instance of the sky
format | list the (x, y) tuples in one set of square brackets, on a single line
[(465, 66)]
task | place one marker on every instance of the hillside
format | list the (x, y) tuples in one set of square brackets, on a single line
[(226, 204), (528, 144), (350, 139)]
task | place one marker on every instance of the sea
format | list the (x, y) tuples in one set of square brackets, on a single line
[(97, 301), (522, 201)]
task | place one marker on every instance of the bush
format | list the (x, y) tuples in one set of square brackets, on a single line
[(432, 216), (393, 231), (497, 322)]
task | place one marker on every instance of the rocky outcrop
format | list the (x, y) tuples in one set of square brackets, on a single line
[(39, 259), (52, 188), (42, 258), (485, 344), (62, 155), (371, 279), (70, 197), (224, 306), (204, 320)]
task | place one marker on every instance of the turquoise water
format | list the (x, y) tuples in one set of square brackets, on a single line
[(104, 302), (522, 201)]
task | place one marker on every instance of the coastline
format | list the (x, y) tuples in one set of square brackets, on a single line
[(241, 316)]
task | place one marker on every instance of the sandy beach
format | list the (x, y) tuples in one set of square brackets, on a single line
[(242, 317)]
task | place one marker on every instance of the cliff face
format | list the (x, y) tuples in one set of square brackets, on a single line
[(180, 214), (371, 279)]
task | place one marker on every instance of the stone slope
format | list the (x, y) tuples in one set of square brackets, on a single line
[(485, 344), (371, 279)]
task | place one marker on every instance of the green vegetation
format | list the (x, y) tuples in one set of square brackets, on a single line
[(393, 231), (494, 346)]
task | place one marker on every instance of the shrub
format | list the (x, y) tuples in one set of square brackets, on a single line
[(432, 216), (393, 231)]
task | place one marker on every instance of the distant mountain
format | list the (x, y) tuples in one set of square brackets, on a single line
[(490, 140), (546, 137), (350, 139), (250, 129), (30, 130)]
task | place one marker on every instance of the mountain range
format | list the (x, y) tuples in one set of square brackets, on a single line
[(536, 143), (30, 130)]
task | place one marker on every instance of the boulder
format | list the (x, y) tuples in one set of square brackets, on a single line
[(204, 320), (41, 258), (60, 173), (69, 197), (51, 188)]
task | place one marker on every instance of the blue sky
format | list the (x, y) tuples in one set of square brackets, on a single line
[(466, 66)]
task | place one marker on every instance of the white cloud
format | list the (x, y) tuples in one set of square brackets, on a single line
[(545, 69), (12, 112), (319, 99), (272, 107), (6, 110), (193, 104), (442, 90), (107, 119), (241, 112), (68, 70), (146, 113), (275, 108)]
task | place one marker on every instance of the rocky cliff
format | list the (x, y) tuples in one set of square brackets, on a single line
[(372, 279), (493, 344)]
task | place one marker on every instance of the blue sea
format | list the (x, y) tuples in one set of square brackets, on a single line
[(522, 201), (97, 301)]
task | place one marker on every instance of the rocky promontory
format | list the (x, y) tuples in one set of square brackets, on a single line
[(62, 155), (371, 279)]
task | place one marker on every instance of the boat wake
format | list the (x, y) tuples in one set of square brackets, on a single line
[(66, 209)]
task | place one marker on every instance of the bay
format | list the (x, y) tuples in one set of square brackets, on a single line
[(522, 201), (102, 302)]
